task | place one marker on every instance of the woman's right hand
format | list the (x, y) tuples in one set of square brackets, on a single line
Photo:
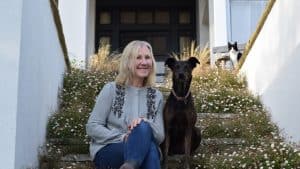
[(133, 124)]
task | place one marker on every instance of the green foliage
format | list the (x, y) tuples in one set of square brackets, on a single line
[(220, 91), (77, 100), (214, 92)]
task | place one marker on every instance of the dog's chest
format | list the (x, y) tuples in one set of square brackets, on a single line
[(180, 114)]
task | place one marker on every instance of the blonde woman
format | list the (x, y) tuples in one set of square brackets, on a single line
[(126, 125)]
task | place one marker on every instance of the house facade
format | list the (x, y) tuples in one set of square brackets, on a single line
[(32, 60), (168, 25)]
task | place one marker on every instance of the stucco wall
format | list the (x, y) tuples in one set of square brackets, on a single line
[(218, 24), (40, 77), (31, 70), (10, 30), (272, 66), (74, 21), (202, 23)]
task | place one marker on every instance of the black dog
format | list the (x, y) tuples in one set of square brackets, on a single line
[(182, 137)]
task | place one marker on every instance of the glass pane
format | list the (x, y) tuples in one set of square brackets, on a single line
[(184, 42), (104, 40), (145, 17), (127, 17), (105, 18), (104, 45), (162, 17), (159, 45), (184, 17)]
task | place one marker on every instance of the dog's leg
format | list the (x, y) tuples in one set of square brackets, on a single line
[(166, 150), (187, 147)]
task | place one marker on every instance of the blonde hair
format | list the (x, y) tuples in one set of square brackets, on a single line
[(126, 68)]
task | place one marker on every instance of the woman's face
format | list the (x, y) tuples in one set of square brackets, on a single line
[(142, 63)]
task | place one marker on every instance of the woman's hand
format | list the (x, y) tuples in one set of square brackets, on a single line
[(134, 123)]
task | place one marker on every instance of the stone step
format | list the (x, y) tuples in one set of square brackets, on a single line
[(67, 165), (205, 142), (208, 141), (76, 158), (217, 115), (200, 116), (65, 141), (223, 141)]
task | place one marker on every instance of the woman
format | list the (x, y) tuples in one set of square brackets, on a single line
[(126, 125)]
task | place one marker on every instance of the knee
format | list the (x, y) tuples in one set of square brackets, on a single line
[(144, 127), (154, 151)]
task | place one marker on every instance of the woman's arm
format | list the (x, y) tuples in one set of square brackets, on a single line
[(96, 125), (158, 125)]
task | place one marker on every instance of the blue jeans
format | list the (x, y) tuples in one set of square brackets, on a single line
[(140, 149)]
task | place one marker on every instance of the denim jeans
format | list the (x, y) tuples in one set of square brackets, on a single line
[(140, 149)]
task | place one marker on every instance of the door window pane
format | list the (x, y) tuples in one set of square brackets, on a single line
[(184, 17), (127, 17), (159, 45), (105, 18), (162, 17), (145, 17), (184, 43), (104, 41)]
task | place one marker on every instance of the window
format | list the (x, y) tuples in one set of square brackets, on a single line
[(104, 40), (162, 17), (159, 45), (144, 17), (184, 17), (127, 17), (105, 18), (184, 43)]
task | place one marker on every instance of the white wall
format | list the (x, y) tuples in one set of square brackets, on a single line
[(202, 22), (272, 66), (218, 24), (244, 16), (10, 30), (32, 67), (74, 20), (40, 76), (90, 29)]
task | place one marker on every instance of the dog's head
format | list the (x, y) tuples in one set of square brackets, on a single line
[(182, 70)]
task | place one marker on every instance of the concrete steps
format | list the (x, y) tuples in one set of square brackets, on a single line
[(78, 156)]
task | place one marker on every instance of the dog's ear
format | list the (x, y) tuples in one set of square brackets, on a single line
[(170, 62), (193, 62)]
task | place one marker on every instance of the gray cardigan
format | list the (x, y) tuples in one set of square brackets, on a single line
[(113, 112)]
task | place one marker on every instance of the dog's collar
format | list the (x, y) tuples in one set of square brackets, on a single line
[(181, 98)]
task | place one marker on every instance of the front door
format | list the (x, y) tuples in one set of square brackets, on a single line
[(158, 41), (166, 24)]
